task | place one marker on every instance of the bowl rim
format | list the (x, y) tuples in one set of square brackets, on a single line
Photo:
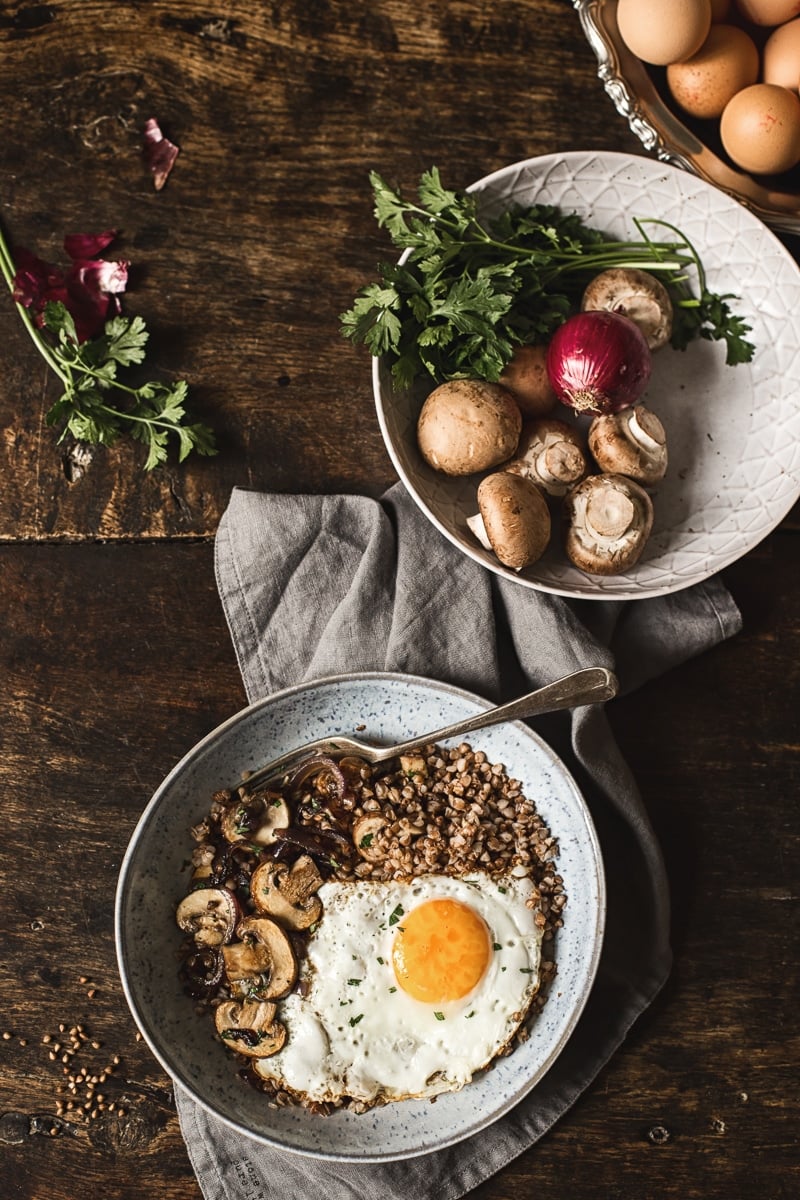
[(597, 931)]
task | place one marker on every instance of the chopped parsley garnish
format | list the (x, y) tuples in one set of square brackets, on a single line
[(396, 915), (355, 1020), (439, 1016)]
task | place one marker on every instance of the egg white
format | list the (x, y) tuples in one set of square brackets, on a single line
[(351, 1029)]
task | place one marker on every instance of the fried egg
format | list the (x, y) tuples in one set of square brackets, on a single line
[(408, 988)]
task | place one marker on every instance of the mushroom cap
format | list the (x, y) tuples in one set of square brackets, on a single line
[(631, 442), (468, 425), (609, 519), (255, 818), (288, 893), (250, 1028), (515, 517), (551, 454), (526, 378), (263, 963), (365, 830), (636, 294), (209, 914)]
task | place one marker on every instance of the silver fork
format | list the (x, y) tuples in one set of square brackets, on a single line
[(590, 686)]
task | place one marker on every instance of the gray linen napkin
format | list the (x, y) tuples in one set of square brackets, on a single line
[(321, 585)]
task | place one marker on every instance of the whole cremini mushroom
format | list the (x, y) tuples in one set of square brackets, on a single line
[(513, 521), (636, 294), (526, 378), (551, 454), (631, 442), (468, 425), (609, 519)]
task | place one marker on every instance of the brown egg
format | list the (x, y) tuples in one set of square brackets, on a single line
[(663, 31), (726, 62), (781, 55), (768, 12), (760, 129)]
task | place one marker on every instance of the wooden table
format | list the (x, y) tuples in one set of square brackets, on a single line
[(115, 658)]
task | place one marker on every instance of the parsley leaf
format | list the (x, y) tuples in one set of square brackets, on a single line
[(89, 373), (468, 291)]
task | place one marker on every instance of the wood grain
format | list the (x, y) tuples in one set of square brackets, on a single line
[(115, 657), (263, 234)]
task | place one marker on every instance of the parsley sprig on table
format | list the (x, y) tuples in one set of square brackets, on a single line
[(89, 374), (98, 406), (468, 290)]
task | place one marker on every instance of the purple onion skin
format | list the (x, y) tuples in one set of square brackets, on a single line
[(598, 362)]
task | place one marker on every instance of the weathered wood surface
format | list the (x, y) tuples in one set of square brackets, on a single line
[(242, 264), (115, 657)]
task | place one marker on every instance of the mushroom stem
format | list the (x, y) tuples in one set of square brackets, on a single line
[(646, 429), (609, 514), (560, 462), (476, 525)]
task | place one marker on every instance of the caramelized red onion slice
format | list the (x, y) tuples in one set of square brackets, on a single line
[(598, 362), (333, 782), (330, 846), (201, 972)]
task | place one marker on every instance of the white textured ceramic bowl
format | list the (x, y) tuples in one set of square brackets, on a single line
[(152, 882), (733, 432)]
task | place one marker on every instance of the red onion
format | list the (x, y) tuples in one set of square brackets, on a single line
[(598, 362)]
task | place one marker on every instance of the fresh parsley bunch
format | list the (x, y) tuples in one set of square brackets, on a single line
[(467, 290), (74, 320), (89, 372)]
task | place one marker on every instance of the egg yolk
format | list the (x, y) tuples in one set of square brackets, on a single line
[(441, 951)]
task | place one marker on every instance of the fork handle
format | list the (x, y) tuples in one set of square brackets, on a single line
[(590, 686)]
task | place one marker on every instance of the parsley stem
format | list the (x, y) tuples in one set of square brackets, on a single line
[(129, 416), (8, 269), (641, 252), (87, 370)]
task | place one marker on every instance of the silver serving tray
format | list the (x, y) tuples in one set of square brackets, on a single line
[(632, 89)]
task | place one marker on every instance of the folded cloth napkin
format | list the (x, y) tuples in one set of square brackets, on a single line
[(321, 585)]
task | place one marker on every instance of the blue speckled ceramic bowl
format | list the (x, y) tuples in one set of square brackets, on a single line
[(153, 878)]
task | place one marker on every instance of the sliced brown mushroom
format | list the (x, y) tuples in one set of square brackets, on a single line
[(609, 521), (468, 425), (263, 964), (413, 766), (255, 818), (550, 453), (209, 915), (250, 1028), (288, 893), (631, 442), (636, 294), (365, 832), (513, 521), (527, 379)]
